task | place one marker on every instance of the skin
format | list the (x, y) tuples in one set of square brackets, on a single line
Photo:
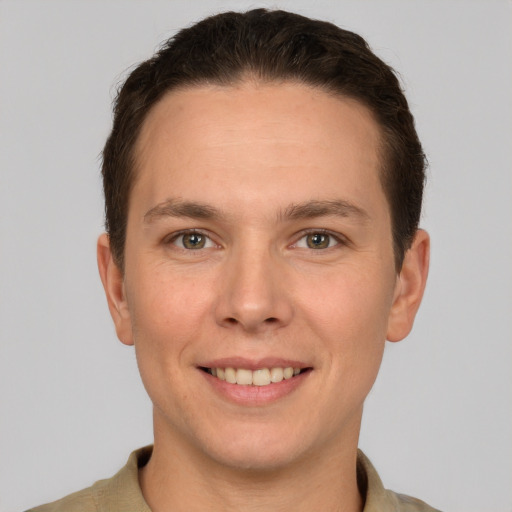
[(255, 157)]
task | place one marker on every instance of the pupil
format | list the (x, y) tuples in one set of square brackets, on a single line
[(193, 241), (318, 241)]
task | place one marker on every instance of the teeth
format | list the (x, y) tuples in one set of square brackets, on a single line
[(288, 372), (276, 374), (244, 377), (261, 377), (230, 374)]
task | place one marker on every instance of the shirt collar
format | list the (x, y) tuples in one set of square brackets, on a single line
[(125, 484)]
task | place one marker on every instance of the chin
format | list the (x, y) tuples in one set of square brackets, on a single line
[(256, 452), (255, 460)]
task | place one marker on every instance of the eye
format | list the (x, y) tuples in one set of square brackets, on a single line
[(192, 241), (317, 240)]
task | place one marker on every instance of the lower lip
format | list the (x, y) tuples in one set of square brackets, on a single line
[(255, 395)]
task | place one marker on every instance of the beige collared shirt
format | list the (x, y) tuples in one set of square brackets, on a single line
[(122, 492)]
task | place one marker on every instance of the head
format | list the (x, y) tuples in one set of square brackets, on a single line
[(263, 183), (269, 46)]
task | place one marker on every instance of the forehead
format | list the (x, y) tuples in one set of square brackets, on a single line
[(261, 106), (224, 136)]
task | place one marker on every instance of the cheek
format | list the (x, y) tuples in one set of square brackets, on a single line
[(167, 318), (167, 314), (353, 302), (350, 319)]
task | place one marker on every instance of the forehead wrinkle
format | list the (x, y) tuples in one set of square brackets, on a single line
[(337, 207), (175, 207)]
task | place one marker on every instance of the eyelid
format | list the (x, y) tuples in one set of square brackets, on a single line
[(172, 237), (338, 237)]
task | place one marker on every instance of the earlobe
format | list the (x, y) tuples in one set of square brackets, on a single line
[(112, 279), (410, 287)]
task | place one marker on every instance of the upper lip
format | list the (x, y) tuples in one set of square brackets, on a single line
[(253, 364)]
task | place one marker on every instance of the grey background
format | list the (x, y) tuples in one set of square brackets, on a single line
[(437, 424)]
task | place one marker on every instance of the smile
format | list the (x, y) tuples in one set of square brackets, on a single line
[(260, 377)]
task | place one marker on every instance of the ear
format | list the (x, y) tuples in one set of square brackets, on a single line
[(409, 287), (113, 284)]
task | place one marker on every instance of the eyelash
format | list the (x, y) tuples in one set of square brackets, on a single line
[(176, 236), (338, 239)]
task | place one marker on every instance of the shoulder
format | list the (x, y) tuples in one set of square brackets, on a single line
[(409, 504), (86, 500), (378, 498), (119, 493)]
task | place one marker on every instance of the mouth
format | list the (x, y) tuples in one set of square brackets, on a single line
[(260, 377)]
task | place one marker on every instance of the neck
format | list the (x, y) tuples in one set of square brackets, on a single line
[(325, 480)]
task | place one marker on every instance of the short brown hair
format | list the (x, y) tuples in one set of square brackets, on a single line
[(271, 46)]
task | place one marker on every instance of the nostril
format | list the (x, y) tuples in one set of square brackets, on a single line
[(268, 321)]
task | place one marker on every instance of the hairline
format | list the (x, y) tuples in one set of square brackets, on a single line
[(251, 76)]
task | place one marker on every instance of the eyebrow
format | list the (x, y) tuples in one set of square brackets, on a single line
[(180, 208), (310, 209)]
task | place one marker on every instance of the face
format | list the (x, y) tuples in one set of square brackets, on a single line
[(258, 247)]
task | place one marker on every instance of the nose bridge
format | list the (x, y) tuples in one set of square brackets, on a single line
[(253, 292)]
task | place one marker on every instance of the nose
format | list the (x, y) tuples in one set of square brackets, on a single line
[(253, 294)]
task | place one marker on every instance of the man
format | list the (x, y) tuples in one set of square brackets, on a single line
[(263, 184)]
